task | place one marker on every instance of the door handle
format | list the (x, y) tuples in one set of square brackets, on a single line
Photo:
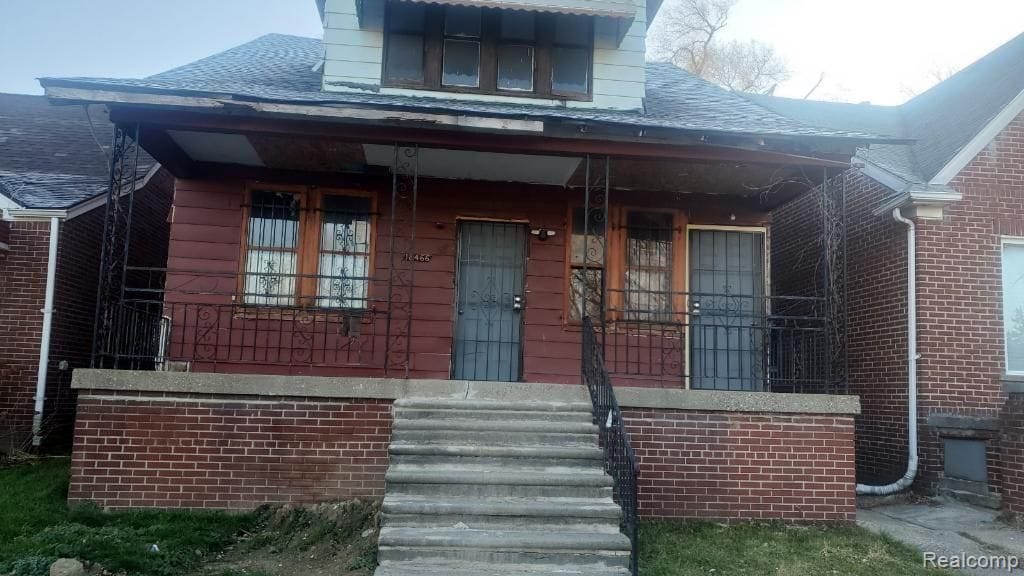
[(517, 302)]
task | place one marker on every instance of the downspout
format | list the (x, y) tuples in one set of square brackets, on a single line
[(908, 478), (44, 341)]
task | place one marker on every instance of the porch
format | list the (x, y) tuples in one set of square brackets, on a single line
[(436, 262)]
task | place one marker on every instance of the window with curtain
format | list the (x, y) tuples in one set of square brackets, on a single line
[(344, 260), (488, 50), (308, 247), (648, 265)]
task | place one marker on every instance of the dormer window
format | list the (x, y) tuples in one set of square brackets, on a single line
[(488, 51)]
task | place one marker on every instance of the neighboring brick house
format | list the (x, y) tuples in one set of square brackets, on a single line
[(961, 181), (54, 178)]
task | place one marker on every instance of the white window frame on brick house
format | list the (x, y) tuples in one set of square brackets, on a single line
[(1018, 242)]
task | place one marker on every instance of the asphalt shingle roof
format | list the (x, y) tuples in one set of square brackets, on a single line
[(53, 156), (282, 68), (940, 121)]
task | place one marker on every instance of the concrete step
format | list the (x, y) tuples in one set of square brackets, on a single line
[(504, 547), (479, 474), (501, 491), (424, 568), (397, 503), (490, 461), (407, 413), (478, 405), (565, 453), (491, 438), (503, 523), (486, 425)]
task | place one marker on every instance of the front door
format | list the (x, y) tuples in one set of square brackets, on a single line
[(727, 309), (489, 301)]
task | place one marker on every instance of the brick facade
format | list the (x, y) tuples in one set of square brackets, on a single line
[(237, 452), (227, 452), (960, 331), (1011, 454), (742, 466), (22, 293), (22, 287)]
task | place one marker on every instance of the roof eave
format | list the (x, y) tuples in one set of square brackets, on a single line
[(980, 140)]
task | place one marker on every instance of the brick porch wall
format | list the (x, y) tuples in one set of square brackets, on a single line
[(732, 466), (143, 450), (200, 451)]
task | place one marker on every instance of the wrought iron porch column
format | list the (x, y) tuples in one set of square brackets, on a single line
[(833, 213), (596, 196), (117, 223), (402, 266)]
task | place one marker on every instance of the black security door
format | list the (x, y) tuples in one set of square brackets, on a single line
[(727, 340), (489, 300)]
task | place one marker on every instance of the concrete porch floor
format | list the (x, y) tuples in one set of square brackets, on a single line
[(947, 528)]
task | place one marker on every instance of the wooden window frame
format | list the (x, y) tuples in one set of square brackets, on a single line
[(490, 40), (616, 235), (307, 244)]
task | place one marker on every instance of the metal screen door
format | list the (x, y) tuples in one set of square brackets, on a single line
[(489, 301), (727, 315)]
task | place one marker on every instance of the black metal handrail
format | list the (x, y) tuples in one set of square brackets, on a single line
[(619, 458)]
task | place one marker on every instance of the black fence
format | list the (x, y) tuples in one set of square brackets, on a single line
[(619, 459), (204, 321), (717, 341)]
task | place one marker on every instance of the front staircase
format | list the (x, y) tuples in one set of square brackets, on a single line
[(498, 488)]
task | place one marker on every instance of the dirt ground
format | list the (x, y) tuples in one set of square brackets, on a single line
[(326, 539)]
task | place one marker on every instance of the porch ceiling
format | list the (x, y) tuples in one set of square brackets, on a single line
[(771, 177)]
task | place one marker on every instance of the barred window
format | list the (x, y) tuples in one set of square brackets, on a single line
[(272, 255), (648, 273), (308, 247)]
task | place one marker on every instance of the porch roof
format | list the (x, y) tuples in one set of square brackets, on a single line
[(284, 69)]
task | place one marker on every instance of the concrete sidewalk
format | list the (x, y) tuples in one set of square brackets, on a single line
[(948, 528)]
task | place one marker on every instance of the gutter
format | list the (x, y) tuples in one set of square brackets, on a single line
[(44, 341), (912, 460)]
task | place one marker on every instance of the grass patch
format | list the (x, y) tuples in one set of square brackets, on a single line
[(759, 549), (37, 527)]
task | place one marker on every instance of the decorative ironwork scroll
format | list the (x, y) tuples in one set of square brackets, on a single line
[(124, 161), (402, 270), (595, 234), (833, 230)]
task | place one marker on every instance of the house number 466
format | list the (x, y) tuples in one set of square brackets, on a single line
[(417, 257)]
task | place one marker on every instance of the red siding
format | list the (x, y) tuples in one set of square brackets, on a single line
[(206, 235)]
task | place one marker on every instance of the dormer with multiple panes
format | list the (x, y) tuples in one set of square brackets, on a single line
[(576, 53)]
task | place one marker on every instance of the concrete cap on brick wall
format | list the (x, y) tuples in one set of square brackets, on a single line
[(394, 388), (733, 401)]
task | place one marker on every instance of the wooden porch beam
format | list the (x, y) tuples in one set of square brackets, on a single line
[(489, 142), (166, 151)]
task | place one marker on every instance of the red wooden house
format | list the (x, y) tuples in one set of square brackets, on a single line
[(486, 201)]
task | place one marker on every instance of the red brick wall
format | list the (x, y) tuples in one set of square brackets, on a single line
[(207, 231), (204, 451), (22, 293), (1011, 454), (227, 452), (22, 287), (960, 298), (741, 466), (960, 337)]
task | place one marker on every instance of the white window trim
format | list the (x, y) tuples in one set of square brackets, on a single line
[(1004, 241)]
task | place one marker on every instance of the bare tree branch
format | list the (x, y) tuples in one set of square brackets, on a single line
[(688, 36)]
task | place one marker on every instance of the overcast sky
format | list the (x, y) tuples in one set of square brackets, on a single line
[(880, 51)]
